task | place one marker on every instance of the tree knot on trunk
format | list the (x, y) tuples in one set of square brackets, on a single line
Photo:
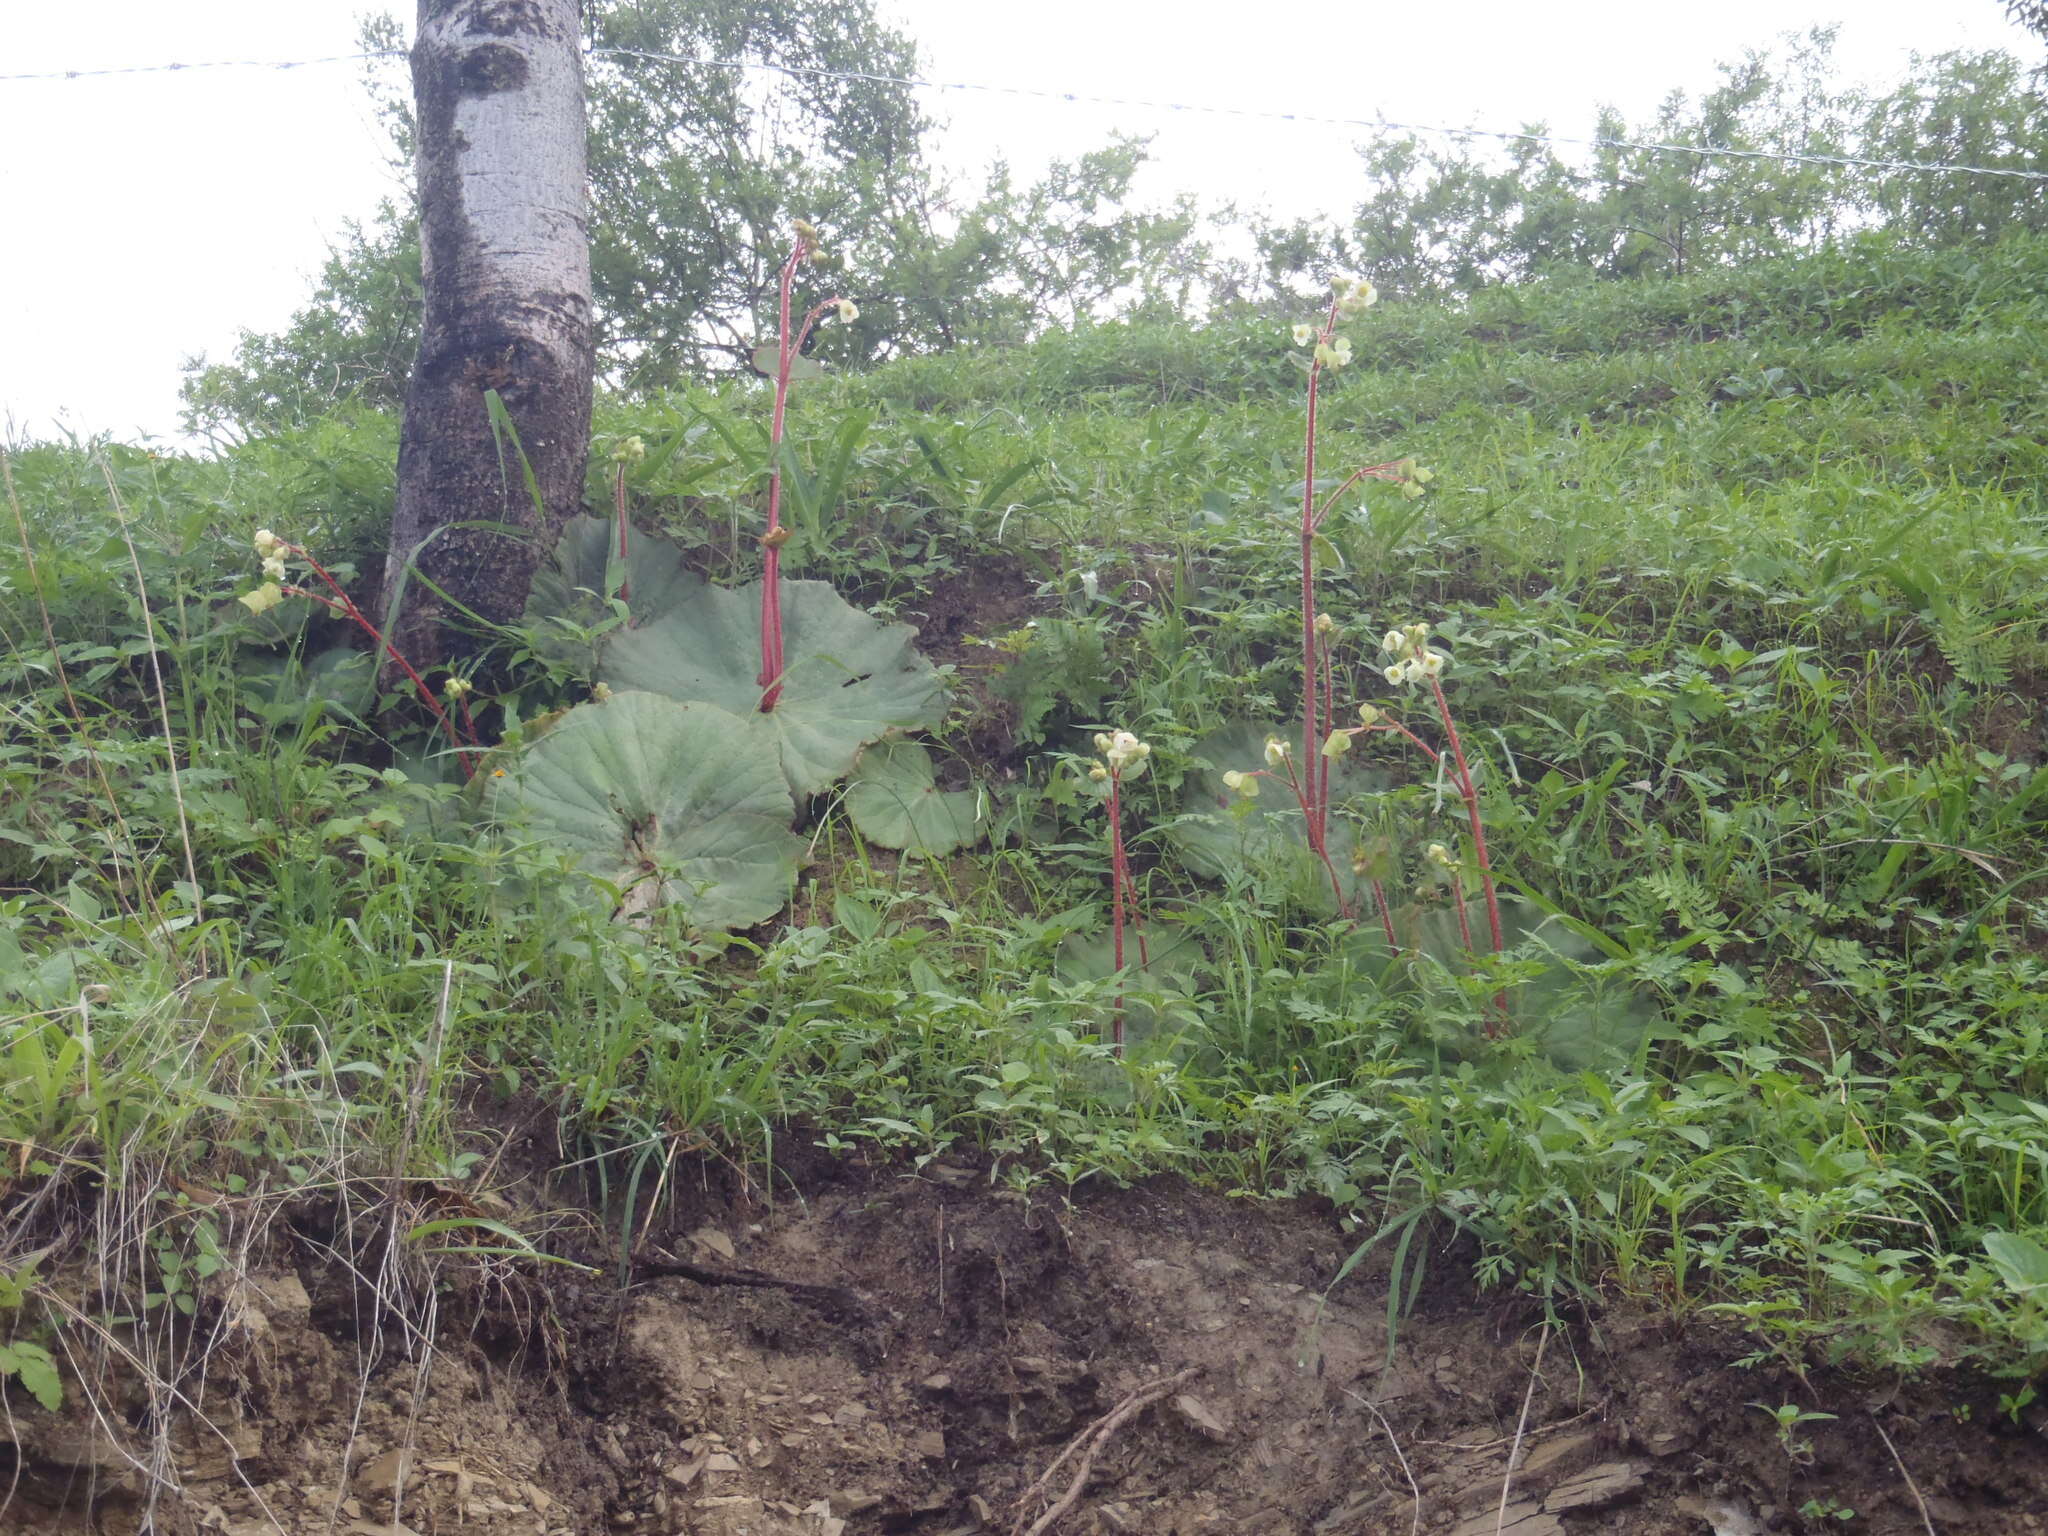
[(492, 68)]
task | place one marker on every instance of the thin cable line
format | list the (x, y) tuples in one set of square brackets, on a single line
[(168, 69), (1374, 125)]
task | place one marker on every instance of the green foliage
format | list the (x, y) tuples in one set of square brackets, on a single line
[(1059, 668), (1711, 553), (26, 1361), (32, 1366)]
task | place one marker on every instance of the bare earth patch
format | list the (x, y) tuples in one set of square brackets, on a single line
[(899, 1353)]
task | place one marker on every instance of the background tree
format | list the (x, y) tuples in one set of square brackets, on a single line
[(1454, 217), (506, 282), (696, 171)]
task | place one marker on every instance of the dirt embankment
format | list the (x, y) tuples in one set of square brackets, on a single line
[(893, 1353)]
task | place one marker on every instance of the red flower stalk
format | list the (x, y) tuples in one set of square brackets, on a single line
[(340, 602), (1120, 750), (788, 349)]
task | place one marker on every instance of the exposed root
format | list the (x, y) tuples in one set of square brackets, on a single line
[(1089, 1445), (1414, 1489), (1507, 1481), (1912, 1487)]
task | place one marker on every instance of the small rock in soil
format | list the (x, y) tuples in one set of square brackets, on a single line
[(381, 1474), (715, 1242), (1596, 1488), (1199, 1418)]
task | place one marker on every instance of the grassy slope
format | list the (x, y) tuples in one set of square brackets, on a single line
[(1742, 575)]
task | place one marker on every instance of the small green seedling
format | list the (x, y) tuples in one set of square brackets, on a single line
[(1789, 1417)]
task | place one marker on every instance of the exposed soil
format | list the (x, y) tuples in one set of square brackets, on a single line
[(939, 1346), (955, 618)]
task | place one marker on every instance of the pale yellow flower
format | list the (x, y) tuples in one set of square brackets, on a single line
[(1367, 715), (1440, 855), (1304, 334), (848, 311), (1277, 751), (264, 598), (1362, 296), (1338, 744), (1124, 749)]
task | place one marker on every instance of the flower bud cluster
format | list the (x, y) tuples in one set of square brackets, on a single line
[(1413, 478), (1413, 660), (1354, 296), (1121, 750), (271, 550)]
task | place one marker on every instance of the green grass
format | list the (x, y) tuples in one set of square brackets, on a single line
[(1742, 578)]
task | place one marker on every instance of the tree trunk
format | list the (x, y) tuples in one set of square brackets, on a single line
[(506, 253)]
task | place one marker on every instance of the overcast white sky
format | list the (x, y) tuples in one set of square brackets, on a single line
[(150, 217)]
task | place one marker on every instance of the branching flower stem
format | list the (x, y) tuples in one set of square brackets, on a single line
[(1468, 792), (1299, 786), (788, 349), (1120, 750), (1461, 778), (1120, 897), (1313, 801), (340, 602), (1318, 683), (1470, 795)]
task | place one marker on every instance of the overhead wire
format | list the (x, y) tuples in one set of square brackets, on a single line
[(1378, 126)]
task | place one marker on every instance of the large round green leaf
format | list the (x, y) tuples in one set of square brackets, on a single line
[(849, 678), (895, 800), (666, 802)]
